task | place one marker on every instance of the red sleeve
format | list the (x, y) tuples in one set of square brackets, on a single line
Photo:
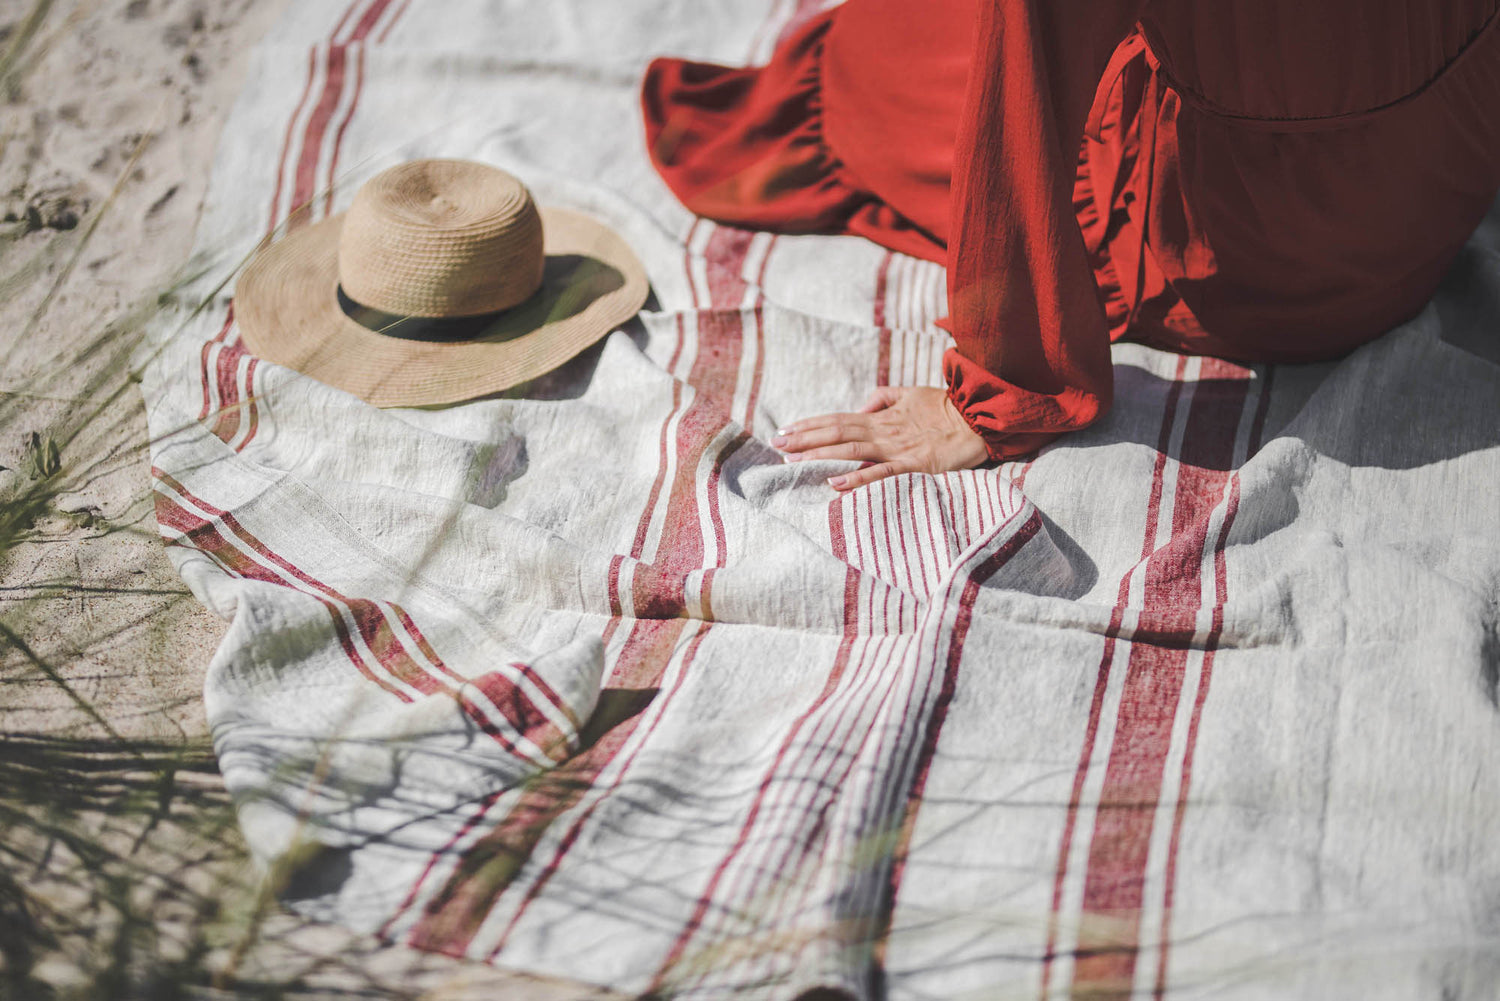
[(1033, 349)]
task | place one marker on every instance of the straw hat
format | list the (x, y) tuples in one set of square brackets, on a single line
[(444, 281)]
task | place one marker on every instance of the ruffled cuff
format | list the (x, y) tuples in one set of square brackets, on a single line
[(744, 146), (1015, 422)]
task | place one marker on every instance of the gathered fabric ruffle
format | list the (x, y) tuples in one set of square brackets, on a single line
[(1236, 193), (746, 147)]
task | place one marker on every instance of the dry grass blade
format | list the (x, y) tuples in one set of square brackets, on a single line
[(22, 50)]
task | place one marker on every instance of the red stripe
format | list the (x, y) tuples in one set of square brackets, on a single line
[(987, 503), (760, 340), (306, 178), (859, 551), (1019, 479), (207, 540), (901, 507), (778, 879), (388, 649), (455, 914), (305, 186), (1174, 844), (286, 146), (252, 405), (328, 101), (516, 707), (338, 137), (451, 918), (714, 375), (639, 544), (644, 525), (938, 716), (204, 366), (234, 526), (950, 492), (752, 398), (882, 277), (362, 29), (830, 683), (936, 547), (919, 586), (226, 381), (1106, 663), (548, 693), (231, 405), (423, 645), (1221, 596), (386, 31), (613, 589), (383, 934), (348, 13), (525, 669), (371, 18), (962, 508), (879, 913), (890, 555), (274, 215), (1149, 702), (500, 692), (382, 642), (725, 259), (828, 775), (291, 125)]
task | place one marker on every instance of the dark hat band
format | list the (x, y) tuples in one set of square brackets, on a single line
[(432, 329)]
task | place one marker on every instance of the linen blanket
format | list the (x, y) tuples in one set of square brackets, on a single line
[(584, 680)]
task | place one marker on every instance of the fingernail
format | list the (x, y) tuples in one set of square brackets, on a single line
[(783, 431), (837, 482), (779, 441), (792, 457)]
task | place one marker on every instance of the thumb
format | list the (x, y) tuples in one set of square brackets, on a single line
[(884, 396)]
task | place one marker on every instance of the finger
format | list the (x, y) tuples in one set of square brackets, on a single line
[(884, 396), (814, 423), (854, 451), (832, 433), (869, 474)]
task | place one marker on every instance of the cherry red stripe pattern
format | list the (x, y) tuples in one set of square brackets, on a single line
[(1096, 704), (1221, 597), (1166, 633), (231, 409), (511, 710), (651, 596)]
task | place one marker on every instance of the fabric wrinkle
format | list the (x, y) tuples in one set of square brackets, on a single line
[(1264, 194)]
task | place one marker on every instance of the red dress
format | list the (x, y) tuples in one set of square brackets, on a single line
[(1260, 180)]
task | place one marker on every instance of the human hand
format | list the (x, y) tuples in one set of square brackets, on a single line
[(899, 429)]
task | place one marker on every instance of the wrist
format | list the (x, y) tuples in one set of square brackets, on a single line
[(972, 449)]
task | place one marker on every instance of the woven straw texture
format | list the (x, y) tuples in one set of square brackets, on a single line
[(441, 238)]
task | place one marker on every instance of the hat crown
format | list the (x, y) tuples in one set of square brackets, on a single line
[(441, 238)]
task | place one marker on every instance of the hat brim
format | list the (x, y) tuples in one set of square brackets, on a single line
[(287, 306)]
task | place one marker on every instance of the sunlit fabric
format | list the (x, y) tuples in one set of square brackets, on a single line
[(1259, 180)]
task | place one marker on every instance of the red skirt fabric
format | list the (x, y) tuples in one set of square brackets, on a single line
[(1202, 178)]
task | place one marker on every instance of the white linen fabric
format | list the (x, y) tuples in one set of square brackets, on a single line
[(585, 680)]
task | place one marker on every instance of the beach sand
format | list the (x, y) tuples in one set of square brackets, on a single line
[(124, 874)]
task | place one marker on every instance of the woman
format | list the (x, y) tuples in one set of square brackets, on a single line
[(1260, 180)]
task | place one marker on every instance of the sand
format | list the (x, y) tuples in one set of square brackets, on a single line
[(123, 874)]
